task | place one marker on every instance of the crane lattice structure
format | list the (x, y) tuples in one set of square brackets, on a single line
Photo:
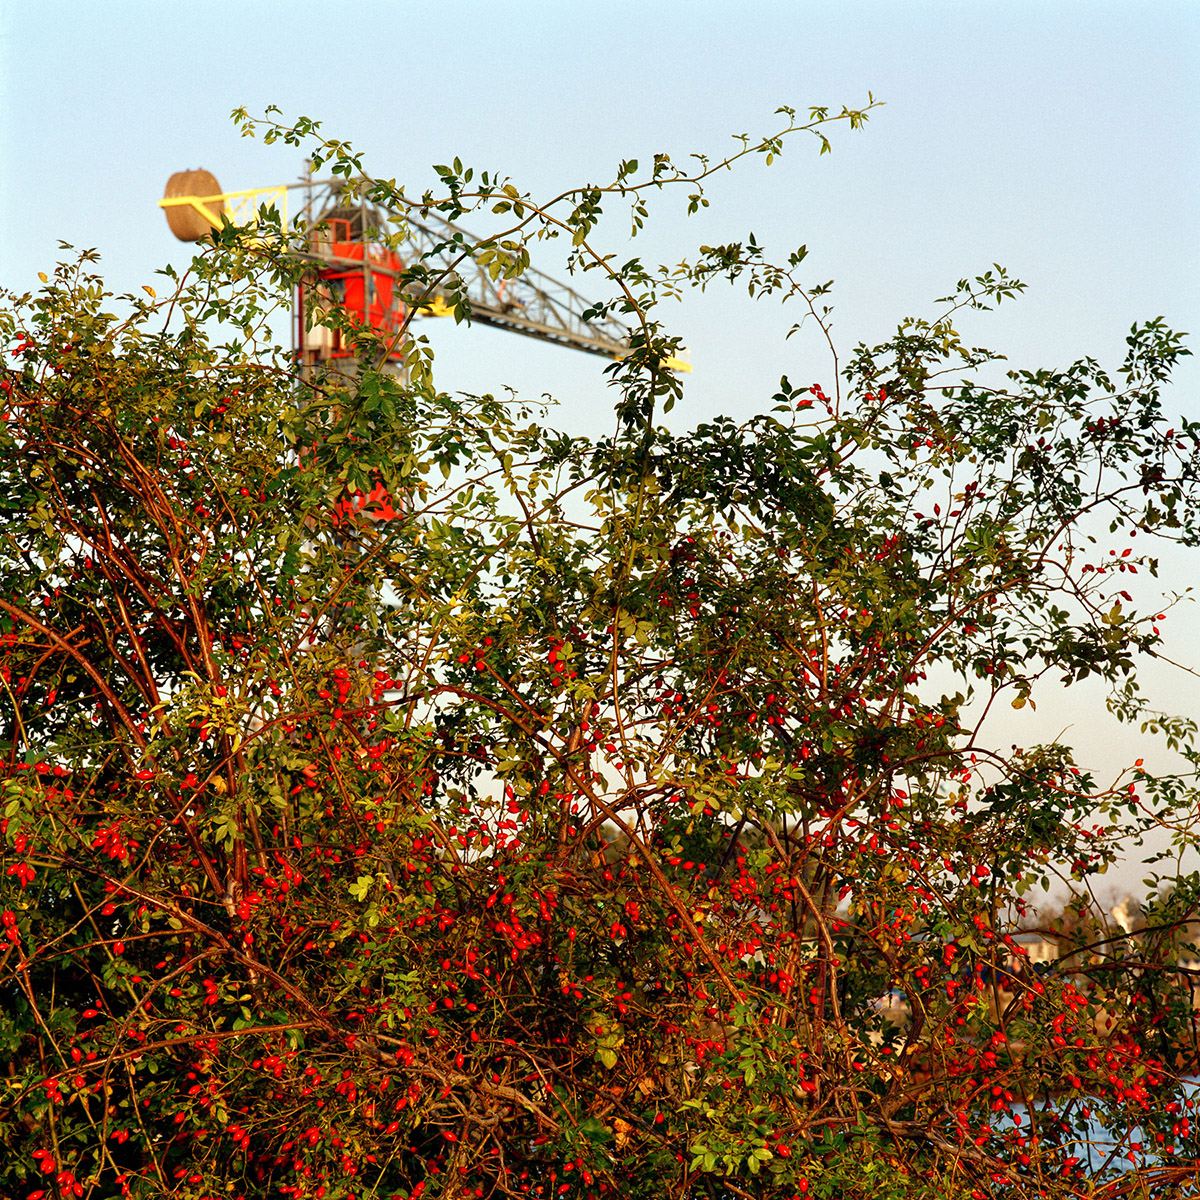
[(339, 224)]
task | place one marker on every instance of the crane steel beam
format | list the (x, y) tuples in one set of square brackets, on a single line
[(534, 304)]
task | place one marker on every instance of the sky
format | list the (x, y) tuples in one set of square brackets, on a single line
[(1058, 139)]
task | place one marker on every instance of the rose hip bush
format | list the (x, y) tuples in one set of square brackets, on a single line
[(619, 819)]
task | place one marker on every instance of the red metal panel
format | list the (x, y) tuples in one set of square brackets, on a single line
[(368, 296)]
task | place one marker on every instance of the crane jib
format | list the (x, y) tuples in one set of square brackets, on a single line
[(360, 274)]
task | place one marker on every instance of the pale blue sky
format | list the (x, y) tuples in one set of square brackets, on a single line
[(1059, 139)]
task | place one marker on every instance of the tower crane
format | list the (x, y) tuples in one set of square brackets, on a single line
[(364, 275)]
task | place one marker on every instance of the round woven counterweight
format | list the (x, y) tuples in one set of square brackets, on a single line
[(186, 223)]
